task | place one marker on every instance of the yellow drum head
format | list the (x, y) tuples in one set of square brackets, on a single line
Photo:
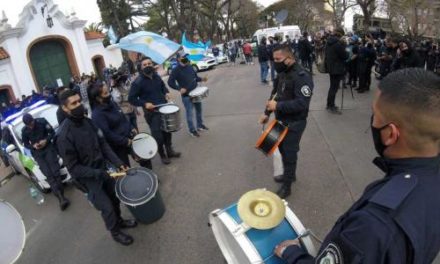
[(261, 209)]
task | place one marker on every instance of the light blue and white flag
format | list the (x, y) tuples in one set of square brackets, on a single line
[(158, 48), (112, 35), (196, 51)]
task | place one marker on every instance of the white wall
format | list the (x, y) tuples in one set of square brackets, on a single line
[(113, 56), (7, 76), (35, 28)]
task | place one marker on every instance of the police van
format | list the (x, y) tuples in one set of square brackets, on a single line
[(19, 157), (281, 32)]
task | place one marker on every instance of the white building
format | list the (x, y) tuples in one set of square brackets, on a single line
[(46, 46)]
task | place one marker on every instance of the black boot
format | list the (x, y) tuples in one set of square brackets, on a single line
[(279, 178), (171, 153), (64, 202), (284, 190), (163, 156), (122, 238), (128, 223)]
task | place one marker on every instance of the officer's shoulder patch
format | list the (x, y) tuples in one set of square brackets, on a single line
[(392, 194), (331, 255), (306, 91)]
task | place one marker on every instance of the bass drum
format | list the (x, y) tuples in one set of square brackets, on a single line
[(255, 246), (12, 233)]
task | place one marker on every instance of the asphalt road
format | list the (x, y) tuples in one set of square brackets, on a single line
[(216, 169)]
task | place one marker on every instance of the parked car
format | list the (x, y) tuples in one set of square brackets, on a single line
[(221, 58), (204, 64), (20, 157)]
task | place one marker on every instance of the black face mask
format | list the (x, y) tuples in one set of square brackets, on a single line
[(377, 140), (280, 66), (405, 52), (107, 99), (78, 113), (184, 60), (148, 70)]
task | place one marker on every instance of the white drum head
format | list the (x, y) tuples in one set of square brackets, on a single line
[(198, 91), (144, 146), (169, 109), (12, 233)]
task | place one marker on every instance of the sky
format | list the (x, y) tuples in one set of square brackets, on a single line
[(85, 9)]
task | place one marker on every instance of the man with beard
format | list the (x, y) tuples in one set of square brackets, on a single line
[(289, 100), (85, 153), (396, 218), (147, 91), (335, 58)]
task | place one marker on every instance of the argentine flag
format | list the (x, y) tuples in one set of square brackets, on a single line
[(196, 51), (158, 48), (112, 35)]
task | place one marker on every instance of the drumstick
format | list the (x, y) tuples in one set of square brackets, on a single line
[(117, 174)]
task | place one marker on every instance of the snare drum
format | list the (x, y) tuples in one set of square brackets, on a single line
[(198, 94), (255, 246), (170, 118), (144, 146), (271, 137), (12, 233)]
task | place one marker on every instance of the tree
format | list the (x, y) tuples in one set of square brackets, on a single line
[(409, 17), (368, 8), (339, 8)]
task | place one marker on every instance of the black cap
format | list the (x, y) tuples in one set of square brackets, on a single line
[(27, 119)]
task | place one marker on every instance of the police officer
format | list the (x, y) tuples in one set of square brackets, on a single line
[(292, 92), (37, 135), (184, 79), (84, 151), (112, 121), (147, 91), (396, 219)]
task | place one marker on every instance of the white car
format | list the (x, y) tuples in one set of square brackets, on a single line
[(221, 58), (20, 157), (204, 64)]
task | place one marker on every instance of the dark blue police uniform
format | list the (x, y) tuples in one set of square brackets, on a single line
[(395, 221), (145, 90), (292, 91)]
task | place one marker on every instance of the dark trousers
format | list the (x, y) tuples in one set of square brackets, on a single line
[(364, 77), (47, 160), (307, 63), (123, 154), (103, 198), (335, 80), (352, 73), (162, 138), (289, 148)]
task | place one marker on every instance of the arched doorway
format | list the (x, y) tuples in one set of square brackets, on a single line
[(51, 59), (6, 94), (98, 65)]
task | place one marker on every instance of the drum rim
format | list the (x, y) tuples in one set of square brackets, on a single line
[(169, 105), (23, 228), (221, 217), (299, 228), (156, 148), (135, 203), (266, 132)]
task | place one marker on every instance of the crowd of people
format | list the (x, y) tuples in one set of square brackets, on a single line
[(98, 121)]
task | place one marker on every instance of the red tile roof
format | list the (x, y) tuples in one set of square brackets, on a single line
[(94, 35), (3, 54)]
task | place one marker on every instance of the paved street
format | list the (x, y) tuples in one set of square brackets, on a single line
[(216, 169)]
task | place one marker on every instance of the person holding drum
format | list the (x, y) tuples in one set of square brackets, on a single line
[(184, 79), (85, 153), (112, 121), (149, 91), (290, 99), (396, 220)]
